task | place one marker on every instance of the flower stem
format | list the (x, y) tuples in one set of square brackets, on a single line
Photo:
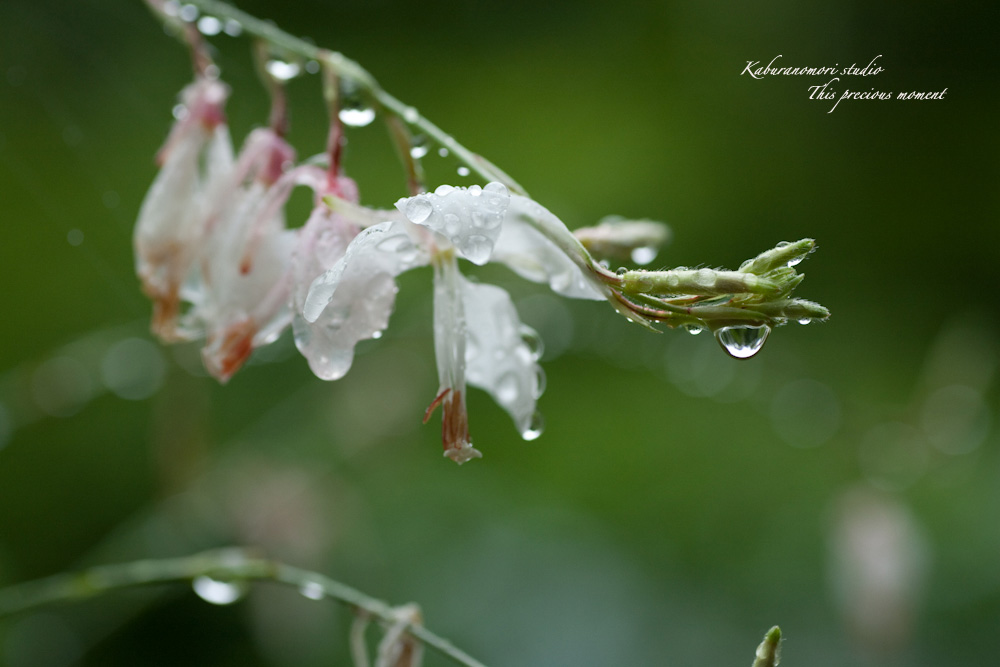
[(366, 84), (223, 564)]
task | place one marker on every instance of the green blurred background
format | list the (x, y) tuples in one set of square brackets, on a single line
[(845, 483)]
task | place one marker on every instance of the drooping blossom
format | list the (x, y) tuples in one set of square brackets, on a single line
[(242, 297), (195, 160), (479, 338)]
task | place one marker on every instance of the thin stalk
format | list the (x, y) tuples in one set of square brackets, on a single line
[(224, 564)]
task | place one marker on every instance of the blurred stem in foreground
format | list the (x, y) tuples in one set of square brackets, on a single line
[(233, 567)]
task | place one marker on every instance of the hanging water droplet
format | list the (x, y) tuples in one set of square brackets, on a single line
[(233, 28), (357, 115), (540, 382), (535, 428), (742, 341), (443, 152), (283, 71), (418, 209), (312, 590), (533, 341), (463, 171), (805, 320), (218, 592), (643, 255), (795, 261), (209, 26), (693, 329), (420, 147)]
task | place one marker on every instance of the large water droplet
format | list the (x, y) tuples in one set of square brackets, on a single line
[(218, 592), (418, 209), (534, 342), (535, 428), (644, 255), (742, 341), (357, 116), (281, 70), (805, 320)]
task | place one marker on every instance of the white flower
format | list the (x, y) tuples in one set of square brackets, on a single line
[(479, 338), (241, 298), (195, 159)]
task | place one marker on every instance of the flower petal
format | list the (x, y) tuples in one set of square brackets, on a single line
[(536, 257), (353, 300), (499, 359)]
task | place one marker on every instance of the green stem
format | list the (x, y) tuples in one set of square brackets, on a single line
[(366, 83), (224, 564)]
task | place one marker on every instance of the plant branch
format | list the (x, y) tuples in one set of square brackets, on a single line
[(231, 565)]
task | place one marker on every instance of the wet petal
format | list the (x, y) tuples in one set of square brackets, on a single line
[(470, 218), (499, 359), (353, 300)]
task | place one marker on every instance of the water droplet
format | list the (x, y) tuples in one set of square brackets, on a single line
[(805, 320), (705, 277), (444, 190), (621, 270), (795, 261), (357, 116), (463, 171), (188, 13), (507, 389), (209, 25), (540, 382), (782, 244), (418, 209), (535, 428), (218, 592), (644, 255), (312, 66), (477, 248), (376, 335), (534, 342), (411, 115), (180, 112), (283, 71), (233, 28), (420, 147), (693, 329), (474, 190), (742, 341), (312, 590)]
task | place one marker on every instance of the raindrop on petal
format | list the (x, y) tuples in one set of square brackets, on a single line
[(540, 382), (742, 341), (534, 342), (418, 209), (507, 390), (535, 428)]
